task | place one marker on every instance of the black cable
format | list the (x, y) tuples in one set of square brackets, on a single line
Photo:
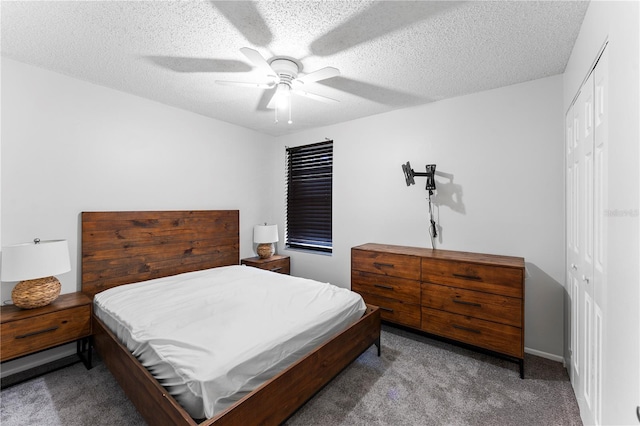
[(432, 227)]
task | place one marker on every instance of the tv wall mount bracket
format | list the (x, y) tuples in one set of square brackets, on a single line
[(409, 174)]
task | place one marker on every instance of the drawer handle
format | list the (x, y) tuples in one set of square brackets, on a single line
[(386, 309), (462, 302), (46, 330), (276, 269), (380, 265), (459, 327), (468, 277), (386, 287)]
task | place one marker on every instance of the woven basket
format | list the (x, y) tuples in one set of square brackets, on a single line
[(31, 294)]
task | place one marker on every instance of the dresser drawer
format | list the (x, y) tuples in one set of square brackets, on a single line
[(32, 334), (490, 307), (395, 310), (492, 279), (394, 265), (485, 334), (381, 285)]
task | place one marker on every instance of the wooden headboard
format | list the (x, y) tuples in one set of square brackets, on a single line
[(126, 247)]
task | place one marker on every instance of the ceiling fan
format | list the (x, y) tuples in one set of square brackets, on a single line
[(282, 73)]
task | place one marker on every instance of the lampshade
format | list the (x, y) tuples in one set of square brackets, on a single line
[(265, 234), (37, 259)]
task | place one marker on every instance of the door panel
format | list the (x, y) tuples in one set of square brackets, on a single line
[(587, 132), (598, 289)]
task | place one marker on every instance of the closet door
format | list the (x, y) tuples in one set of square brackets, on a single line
[(586, 167), (585, 267), (580, 239), (573, 246), (599, 281)]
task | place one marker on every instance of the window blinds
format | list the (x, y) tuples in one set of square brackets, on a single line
[(309, 193)]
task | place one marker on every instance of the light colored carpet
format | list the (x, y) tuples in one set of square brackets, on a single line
[(416, 381)]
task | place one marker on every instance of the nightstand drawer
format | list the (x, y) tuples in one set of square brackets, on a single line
[(28, 335), (281, 266), (275, 263)]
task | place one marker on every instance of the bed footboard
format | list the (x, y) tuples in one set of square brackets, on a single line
[(152, 400), (270, 404)]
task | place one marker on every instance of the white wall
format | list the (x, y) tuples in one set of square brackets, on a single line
[(69, 146), (0, 161), (504, 152), (618, 22)]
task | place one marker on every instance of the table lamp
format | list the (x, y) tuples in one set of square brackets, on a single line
[(265, 235), (34, 264)]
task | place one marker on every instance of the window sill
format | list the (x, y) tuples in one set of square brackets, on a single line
[(309, 251)]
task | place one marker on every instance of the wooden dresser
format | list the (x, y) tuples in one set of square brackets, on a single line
[(473, 298)]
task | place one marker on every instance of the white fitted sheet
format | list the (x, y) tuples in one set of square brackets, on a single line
[(210, 337)]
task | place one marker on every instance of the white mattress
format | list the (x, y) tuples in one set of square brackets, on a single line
[(212, 336)]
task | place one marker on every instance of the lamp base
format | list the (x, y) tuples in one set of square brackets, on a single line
[(265, 250), (31, 294)]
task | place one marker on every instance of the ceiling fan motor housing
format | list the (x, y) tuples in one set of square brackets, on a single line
[(286, 69)]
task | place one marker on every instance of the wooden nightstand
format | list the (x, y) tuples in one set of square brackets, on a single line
[(275, 263), (26, 331)]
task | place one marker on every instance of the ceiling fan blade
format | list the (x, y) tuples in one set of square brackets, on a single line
[(379, 19), (321, 74), (187, 64), (246, 84), (245, 17), (273, 101), (314, 96), (256, 58), (266, 99)]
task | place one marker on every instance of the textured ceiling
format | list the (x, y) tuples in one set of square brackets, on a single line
[(391, 54)]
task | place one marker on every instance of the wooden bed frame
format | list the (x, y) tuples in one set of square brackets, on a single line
[(125, 247)]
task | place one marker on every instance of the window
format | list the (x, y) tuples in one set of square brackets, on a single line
[(309, 190)]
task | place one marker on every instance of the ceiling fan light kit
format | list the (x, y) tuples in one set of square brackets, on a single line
[(287, 71), (283, 73), (282, 100)]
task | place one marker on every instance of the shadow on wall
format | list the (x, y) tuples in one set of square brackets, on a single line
[(544, 312), (448, 193)]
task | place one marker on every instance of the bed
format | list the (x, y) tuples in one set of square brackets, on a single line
[(120, 248)]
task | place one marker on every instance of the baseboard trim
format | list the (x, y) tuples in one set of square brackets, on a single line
[(38, 370), (30, 362), (546, 355)]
